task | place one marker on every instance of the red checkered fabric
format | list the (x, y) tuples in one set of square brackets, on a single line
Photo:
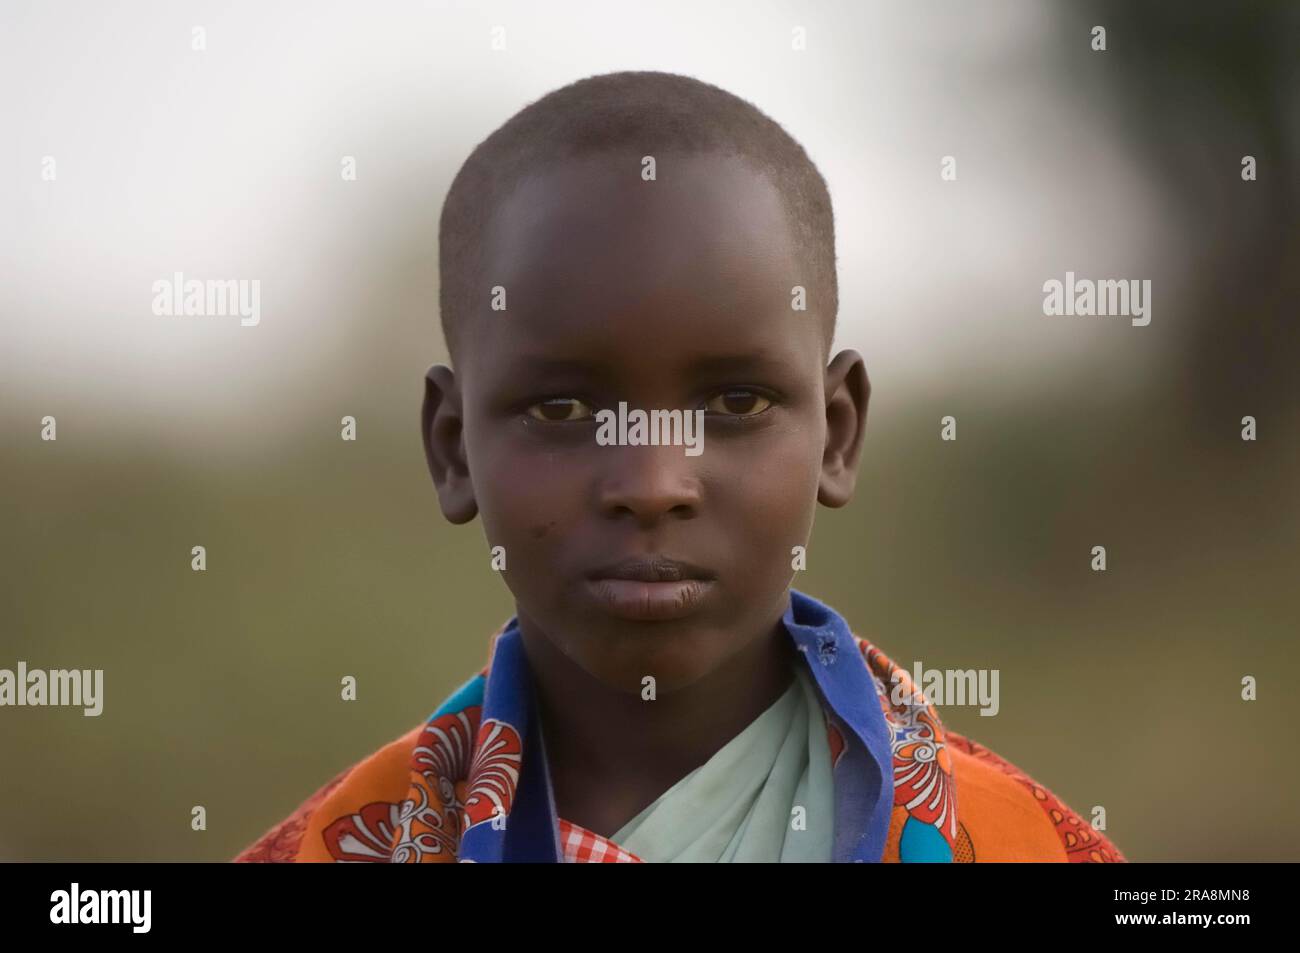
[(582, 846)]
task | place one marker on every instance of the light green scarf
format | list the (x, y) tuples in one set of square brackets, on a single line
[(742, 804)]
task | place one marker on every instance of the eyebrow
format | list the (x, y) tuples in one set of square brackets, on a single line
[(707, 364), (559, 365), (734, 363)]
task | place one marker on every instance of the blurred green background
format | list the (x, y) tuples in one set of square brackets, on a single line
[(326, 558)]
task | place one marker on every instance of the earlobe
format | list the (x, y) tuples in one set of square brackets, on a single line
[(847, 393), (442, 424)]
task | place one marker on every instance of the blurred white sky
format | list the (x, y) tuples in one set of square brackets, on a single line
[(225, 164)]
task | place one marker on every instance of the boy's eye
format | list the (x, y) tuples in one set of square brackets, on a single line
[(739, 403), (559, 409)]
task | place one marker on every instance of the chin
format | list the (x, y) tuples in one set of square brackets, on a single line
[(674, 663)]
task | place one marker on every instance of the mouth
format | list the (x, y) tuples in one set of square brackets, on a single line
[(651, 588)]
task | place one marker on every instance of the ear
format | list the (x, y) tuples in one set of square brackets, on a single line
[(442, 422), (847, 393)]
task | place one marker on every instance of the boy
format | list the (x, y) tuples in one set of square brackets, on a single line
[(649, 241)]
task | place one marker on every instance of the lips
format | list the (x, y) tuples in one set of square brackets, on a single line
[(650, 588), (651, 569)]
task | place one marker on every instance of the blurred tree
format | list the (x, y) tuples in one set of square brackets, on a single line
[(1196, 86)]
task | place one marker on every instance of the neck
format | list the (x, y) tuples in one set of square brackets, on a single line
[(611, 754)]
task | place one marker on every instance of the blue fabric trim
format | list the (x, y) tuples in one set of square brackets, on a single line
[(531, 832), (864, 780)]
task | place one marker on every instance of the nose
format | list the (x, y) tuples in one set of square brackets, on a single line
[(649, 484)]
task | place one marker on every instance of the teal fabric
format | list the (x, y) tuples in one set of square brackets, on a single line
[(743, 804)]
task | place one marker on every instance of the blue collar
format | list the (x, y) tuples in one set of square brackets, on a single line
[(863, 772)]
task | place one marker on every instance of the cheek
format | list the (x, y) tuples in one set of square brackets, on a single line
[(772, 499), (527, 501)]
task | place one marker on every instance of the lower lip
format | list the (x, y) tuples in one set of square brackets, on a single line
[(650, 601)]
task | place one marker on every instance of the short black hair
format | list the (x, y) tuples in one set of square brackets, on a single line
[(651, 112)]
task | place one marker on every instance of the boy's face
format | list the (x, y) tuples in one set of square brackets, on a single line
[(667, 294)]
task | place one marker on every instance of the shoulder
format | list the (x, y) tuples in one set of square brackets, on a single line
[(1005, 815), (382, 777), (1002, 813), (354, 816)]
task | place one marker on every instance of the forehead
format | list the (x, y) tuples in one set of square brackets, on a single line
[(599, 263)]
